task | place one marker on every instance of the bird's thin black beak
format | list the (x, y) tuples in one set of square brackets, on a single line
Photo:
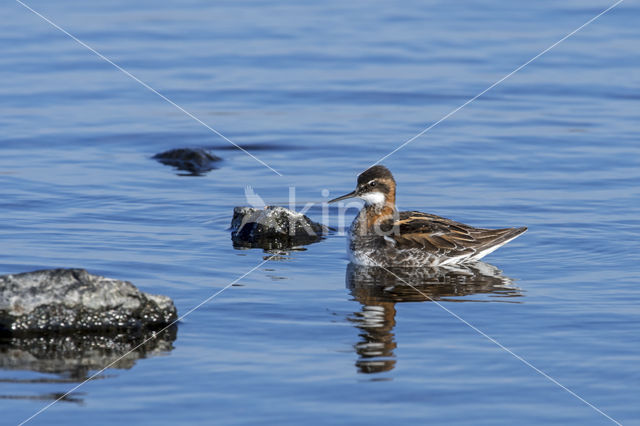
[(344, 197)]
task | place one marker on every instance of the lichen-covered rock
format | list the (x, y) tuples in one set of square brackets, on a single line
[(69, 300), (273, 228), (196, 161)]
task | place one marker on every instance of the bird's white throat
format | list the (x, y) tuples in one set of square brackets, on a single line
[(373, 198)]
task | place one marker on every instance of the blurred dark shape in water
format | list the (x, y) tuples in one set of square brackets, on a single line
[(258, 146), (379, 289), (72, 358), (196, 161)]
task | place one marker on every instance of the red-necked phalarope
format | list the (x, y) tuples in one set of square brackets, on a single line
[(382, 236)]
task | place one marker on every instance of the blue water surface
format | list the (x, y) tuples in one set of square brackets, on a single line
[(319, 92)]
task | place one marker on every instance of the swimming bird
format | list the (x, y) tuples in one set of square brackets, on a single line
[(382, 236)]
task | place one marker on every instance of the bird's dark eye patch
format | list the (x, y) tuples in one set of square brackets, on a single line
[(373, 183)]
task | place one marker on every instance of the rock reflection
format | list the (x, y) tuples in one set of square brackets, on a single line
[(73, 358), (378, 290)]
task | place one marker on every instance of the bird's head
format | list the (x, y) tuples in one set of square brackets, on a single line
[(376, 187)]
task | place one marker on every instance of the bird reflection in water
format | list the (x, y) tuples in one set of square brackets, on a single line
[(379, 289)]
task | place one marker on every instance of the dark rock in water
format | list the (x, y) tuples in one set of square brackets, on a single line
[(273, 228), (72, 300), (195, 161)]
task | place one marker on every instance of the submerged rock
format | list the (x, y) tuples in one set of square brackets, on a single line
[(72, 300), (273, 228), (196, 161)]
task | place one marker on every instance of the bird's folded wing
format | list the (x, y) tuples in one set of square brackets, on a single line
[(442, 236)]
